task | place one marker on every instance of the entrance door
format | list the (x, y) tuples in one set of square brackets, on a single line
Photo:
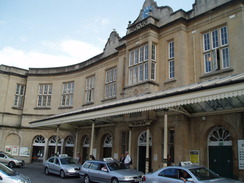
[(220, 152), (221, 160), (142, 146), (142, 158)]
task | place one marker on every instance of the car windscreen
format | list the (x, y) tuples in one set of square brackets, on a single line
[(116, 166), (66, 161), (204, 174), (7, 171)]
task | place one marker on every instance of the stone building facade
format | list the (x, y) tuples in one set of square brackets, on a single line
[(171, 87)]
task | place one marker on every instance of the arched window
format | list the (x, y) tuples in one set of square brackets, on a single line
[(219, 136), (52, 141), (142, 140), (108, 141), (70, 141), (86, 142), (39, 141)]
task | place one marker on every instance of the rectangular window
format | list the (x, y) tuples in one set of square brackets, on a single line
[(153, 71), (44, 95), (171, 62), (216, 50), (19, 96), (110, 83), (90, 87), (67, 94), (171, 69), (125, 141), (154, 52), (138, 64)]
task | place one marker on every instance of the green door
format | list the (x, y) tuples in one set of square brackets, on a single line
[(221, 160)]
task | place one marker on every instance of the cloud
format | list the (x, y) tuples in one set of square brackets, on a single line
[(69, 52)]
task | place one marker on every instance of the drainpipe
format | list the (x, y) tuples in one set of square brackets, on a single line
[(92, 139), (165, 137)]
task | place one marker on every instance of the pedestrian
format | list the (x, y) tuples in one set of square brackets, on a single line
[(122, 158), (78, 158), (127, 160)]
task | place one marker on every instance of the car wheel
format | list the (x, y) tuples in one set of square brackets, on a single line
[(114, 180), (46, 171), (11, 164), (87, 179), (62, 174)]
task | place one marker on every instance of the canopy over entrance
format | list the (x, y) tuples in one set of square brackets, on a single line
[(219, 94)]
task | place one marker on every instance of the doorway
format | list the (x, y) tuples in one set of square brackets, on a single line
[(142, 146), (220, 152)]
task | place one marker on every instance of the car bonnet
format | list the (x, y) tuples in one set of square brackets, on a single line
[(128, 172)]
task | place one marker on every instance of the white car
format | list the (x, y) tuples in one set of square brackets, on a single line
[(62, 165), (7, 175), (189, 173), (10, 161)]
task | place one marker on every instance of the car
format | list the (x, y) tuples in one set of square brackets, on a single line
[(7, 175), (189, 173), (10, 161), (108, 171), (62, 165)]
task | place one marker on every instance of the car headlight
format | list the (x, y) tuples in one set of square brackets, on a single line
[(128, 178), (21, 181), (71, 170)]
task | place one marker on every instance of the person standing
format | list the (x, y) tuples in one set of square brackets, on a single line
[(122, 158), (127, 160)]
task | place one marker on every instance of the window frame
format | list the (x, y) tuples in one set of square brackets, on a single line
[(67, 94), (19, 96), (90, 89), (216, 52), (111, 83), (171, 59), (44, 95)]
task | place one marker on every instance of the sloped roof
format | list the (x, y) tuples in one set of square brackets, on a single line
[(219, 88)]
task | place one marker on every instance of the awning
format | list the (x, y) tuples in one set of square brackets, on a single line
[(211, 90)]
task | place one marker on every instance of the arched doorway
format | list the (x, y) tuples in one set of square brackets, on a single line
[(142, 145), (38, 148), (69, 146), (107, 146), (220, 152), (52, 145), (85, 150)]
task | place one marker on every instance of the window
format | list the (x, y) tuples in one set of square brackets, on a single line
[(171, 62), (139, 64), (125, 141), (19, 96), (110, 83), (216, 50), (90, 84), (67, 94), (170, 173), (44, 95)]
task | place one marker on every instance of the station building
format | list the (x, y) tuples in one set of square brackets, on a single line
[(171, 88)]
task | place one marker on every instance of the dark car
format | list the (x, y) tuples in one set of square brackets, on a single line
[(108, 171), (62, 165)]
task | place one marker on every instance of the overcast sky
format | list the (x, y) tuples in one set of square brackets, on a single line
[(53, 33)]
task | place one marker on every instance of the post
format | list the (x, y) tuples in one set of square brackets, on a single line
[(56, 145), (165, 137), (92, 139), (130, 134), (147, 151)]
